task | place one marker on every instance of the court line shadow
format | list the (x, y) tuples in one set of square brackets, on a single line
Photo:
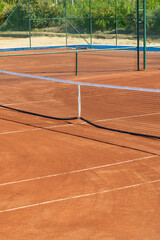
[(78, 136), (83, 119)]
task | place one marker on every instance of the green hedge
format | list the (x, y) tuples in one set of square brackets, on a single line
[(126, 10)]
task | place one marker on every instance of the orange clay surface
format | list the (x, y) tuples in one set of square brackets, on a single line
[(65, 179)]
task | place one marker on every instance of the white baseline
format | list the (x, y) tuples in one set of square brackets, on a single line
[(80, 196), (77, 171)]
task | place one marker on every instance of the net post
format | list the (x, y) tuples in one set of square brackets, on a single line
[(76, 63), (138, 62), (144, 35), (79, 101)]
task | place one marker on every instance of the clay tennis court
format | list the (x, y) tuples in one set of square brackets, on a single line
[(64, 178)]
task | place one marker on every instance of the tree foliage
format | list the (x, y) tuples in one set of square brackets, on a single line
[(103, 14)]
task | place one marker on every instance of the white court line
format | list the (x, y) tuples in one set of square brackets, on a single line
[(79, 196), (12, 104), (134, 116), (36, 129), (76, 171), (82, 123)]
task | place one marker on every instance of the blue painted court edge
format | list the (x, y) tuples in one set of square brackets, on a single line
[(131, 48)]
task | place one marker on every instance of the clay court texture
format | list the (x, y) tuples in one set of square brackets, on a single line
[(63, 177)]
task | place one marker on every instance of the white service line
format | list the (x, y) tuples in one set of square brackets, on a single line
[(134, 116), (36, 129), (80, 196), (82, 123), (12, 104), (76, 171)]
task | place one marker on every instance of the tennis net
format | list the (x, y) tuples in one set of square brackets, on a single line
[(128, 110), (70, 61)]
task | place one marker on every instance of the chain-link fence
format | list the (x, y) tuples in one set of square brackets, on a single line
[(91, 23)]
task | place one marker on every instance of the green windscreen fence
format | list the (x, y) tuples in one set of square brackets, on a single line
[(101, 24), (61, 22), (153, 24), (153, 34), (34, 24), (14, 31), (114, 23), (39, 23), (78, 29)]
